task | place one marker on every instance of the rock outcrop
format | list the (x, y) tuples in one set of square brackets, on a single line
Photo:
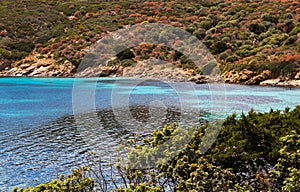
[(100, 71), (199, 79), (246, 77), (35, 66), (297, 76), (237, 77), (280, 82), (155, 70), (257, 79)]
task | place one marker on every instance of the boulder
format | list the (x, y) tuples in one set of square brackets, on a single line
[(230, 76), (256, 80), (270, 82), (100, 71), (245, 75), (238, 77), (198, 79), (297, 76)]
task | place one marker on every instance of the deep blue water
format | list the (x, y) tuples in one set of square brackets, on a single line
[(47, 125)]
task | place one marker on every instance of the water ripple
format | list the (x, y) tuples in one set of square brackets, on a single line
[(31, 156)]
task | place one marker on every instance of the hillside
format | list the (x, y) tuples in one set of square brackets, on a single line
[(252, 40)]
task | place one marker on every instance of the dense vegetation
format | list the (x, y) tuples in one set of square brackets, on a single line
[(254, 35), (255, 152)]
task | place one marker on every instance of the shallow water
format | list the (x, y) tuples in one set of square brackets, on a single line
[(48, 125)]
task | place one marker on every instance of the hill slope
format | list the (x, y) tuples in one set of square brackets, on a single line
[(252, 40)]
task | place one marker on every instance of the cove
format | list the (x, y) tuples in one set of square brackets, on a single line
[(41, 136)]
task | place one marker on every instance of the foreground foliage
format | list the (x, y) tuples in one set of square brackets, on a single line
[(257, 151), (77, 181)]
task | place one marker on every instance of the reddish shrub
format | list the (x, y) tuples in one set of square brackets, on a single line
[(93, 40), (163, 18), (3, 33), (168, 9), (151, 4), (45, 50), (56, 45)]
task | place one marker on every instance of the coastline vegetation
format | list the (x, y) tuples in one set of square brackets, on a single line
[(252, 35), (255, 152)]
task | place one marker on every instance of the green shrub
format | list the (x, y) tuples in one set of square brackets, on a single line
[(142, 187), (127, 62), (4, 53), (266, 34), (295, 31), (232, 58), (241, 141), (17, 55), (257, 28), (290, 40), (65, 8), (206, 24), (275, 39), (77, 181), (283, 68), (125, 54), (40, 57), (270, 18), (223, 55), (226, 39), (186, 62), (190, 9), (190, 29), (45, 35), (288, 16), (114, 62), (56, 55), (287, 167), (267, 128), (245, 51), (218, 47), (201, 11)]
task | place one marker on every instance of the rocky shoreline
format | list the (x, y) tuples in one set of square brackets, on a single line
[(33, 66), (145, 69), (247, 77), (279, 82)]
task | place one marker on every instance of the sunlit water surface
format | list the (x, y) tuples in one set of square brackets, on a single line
[(48, 125)]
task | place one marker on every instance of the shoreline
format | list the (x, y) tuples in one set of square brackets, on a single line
[(266, 83), (153, 69)]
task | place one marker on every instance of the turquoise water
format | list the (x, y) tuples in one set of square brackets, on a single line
[(47, 125)]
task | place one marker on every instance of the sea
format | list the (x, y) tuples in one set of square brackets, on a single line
[(48, 126)]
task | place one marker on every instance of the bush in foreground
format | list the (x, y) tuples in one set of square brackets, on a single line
[(78, 180), (255, 152)]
